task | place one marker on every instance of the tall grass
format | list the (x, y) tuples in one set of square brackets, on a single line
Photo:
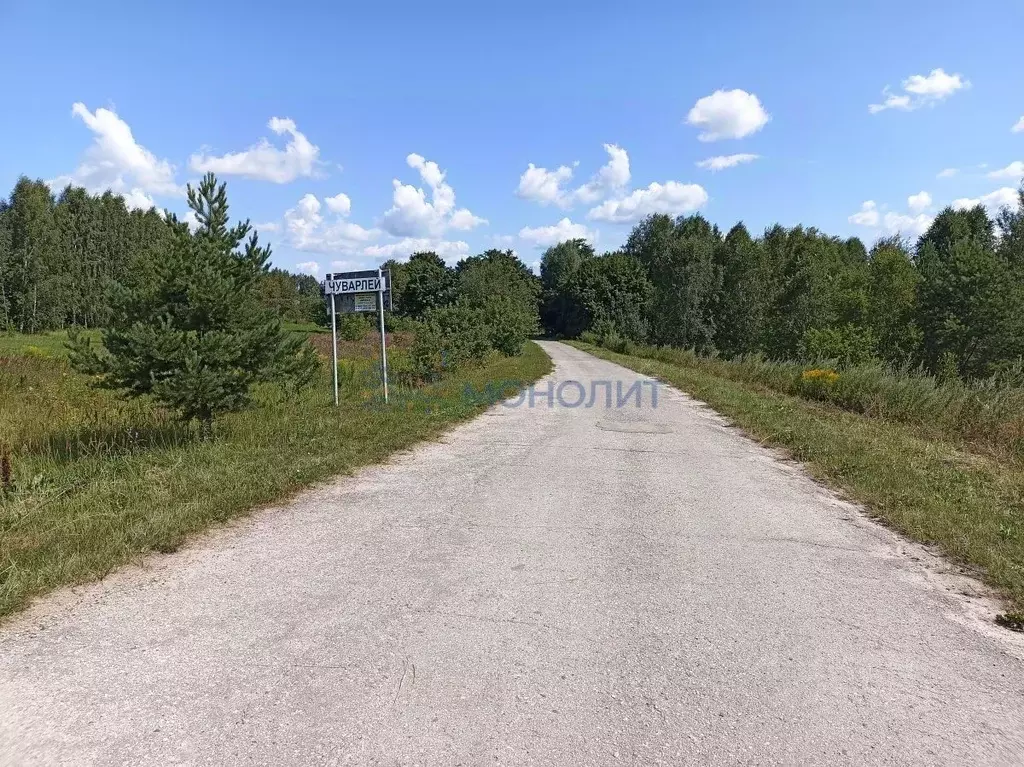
[(95, 482), (987, 415)]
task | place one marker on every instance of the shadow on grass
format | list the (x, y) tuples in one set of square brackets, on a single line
[(73, 443)]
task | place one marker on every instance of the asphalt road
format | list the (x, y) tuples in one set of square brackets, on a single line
[(543, 586)]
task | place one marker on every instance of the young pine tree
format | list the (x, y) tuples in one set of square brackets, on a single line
[(196, 336)]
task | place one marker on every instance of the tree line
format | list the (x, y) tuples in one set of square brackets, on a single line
[(67, 261), (952, 302), (61, 256), (191, 315), (487, 302)]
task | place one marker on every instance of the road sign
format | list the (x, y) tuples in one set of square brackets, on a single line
[(365, 302), (366, 281), (364, 291), (346, 303)]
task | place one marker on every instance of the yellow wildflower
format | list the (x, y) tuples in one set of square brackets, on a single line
[(820, 376)]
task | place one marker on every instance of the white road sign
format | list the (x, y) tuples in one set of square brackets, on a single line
[(360, 285), (366, 302), (355, 282), (359, 292)]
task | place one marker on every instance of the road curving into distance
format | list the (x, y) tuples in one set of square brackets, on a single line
[(545, 585)]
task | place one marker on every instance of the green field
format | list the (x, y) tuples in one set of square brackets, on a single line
[(97, 482), (969, 505)]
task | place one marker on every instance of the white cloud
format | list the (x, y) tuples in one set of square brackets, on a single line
[(340, 204), (672, 197), (544, 236), (937, 85), (921, 90), (548, 187), (1018, 127), (137, 199), (350, 265), (413, 223), (412, 216), (895, 223), (304, 220), (267, 226), (116, 161), (448, 249), (1014, 170), (909, 226), (263, 161), (993, 201), (543, 185), (1005, 197), (728, 114), (503, 240), (463, 219), (919, 202), (722, 162), (611, 178), (306, 229), (308, 267), (892, 101), (866, 216), (947, 173)]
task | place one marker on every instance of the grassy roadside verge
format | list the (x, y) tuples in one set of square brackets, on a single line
[(970, 507), (77, 512)]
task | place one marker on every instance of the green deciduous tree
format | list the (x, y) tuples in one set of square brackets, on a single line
[(293, 297), (33, 286), (612, 292), (506, 291), (423, 283), (680, 261), (685, 291), (892, 302), (815, 283), (559, 264), (6, 267), (739, 304)]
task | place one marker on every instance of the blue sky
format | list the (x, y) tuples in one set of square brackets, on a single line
[(333, 122)]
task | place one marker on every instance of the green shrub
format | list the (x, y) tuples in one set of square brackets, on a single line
[(845, 345), (394, 323), (401, 369), (509, 325), (448, 339), (614, 342), (353, 327), (948, 368), (603, 329)]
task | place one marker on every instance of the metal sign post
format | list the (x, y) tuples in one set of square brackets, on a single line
[(334, 347), (383, 338), (355, 292)]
